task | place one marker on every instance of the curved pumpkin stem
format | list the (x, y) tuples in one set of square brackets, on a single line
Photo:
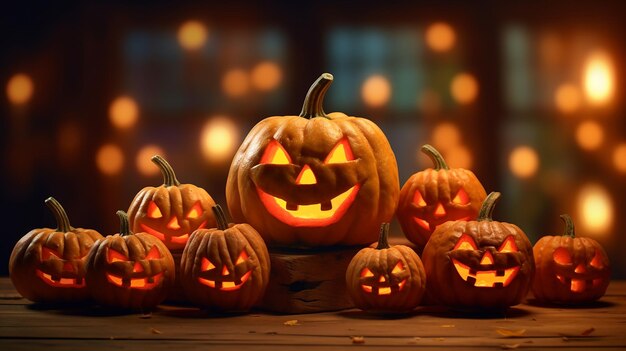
[(569, 225), (124, 227), (435, 156), (383, 238), (169, 177), (314, 100), (486, 210), (220, 216), (63, 223)]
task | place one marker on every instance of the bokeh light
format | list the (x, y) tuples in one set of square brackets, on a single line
[(589, 135), (567, 98), (464, 88), (20, 89), (235, 82), (376, 91), (595, 210), (598, 78), (144, 163), (445, 136), (123, 112), (219, 139), (110, 159), (619, 157), (440, 37), (523, 161), (192, 35), (266, 76)]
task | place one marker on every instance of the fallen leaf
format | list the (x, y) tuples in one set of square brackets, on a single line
[(565, 338), (146, 316), (510, 346), (358, 339), (440, 339), (292, 322), (588, 331), (417, 338), (511, 332), (447, 325), (155, 331)]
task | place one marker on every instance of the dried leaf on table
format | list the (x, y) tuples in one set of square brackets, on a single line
[(588, 331), (358, 339), (292, 322), (447, 326), (510, 346), (155, 331), (146, 316), (511, 332)]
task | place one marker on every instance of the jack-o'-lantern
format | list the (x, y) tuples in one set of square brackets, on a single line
[(482, 264), (386, 278), (436, 195), (172, 211), (315, 179), (48, 265), (225, 268), (570, 269), (130, 270)]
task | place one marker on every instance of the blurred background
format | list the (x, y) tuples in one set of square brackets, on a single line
[(528, 95)]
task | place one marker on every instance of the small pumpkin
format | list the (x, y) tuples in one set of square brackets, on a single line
[(315, 179), (570, 269), (48, 265), (386, 278), (172, 211), (436, 195), (225, 268), (481, 264), (130, 270)]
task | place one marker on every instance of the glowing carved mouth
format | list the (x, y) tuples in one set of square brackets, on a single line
[(179, 239), (579, 285), (315, 215), (59, 282), (383, 290), (136, 283), (226, 285), (426, 225), (486, 279)]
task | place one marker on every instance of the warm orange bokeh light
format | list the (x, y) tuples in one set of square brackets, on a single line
[(445, 136), (619, 157), (219, 139), (192, 35), (595, 210), (123, 112), (459, 157), (266, 76), (144, 163), (589, 135), (376, 91), (440, 36), (464, 88), (235, 82), (523, 161), (110, 159), (20, 89), (599, 78), (567, 98)]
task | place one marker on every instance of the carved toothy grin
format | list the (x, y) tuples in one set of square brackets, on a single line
[(579, 285), (382, 290), (136, 283), (485, 279), (226, 285), (60, 282), (175, 239)]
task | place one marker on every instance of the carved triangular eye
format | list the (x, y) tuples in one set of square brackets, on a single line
[(596, 262), (114, 256), (461, 197), (47, 254), (195, 211), (562, 256), (418, 199), (154, 211), (275, 154), (153, 254), (206, 265), (365, 273), (465, 243), (341, 153), (242, 257), (399, 267), (508, 245)]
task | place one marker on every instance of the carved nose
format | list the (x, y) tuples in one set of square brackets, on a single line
[(137, 267), (487, 258), (382, 279), (580, 268), (68, 267), (173, 224), (440, 211), (306, 176), (225, 271)]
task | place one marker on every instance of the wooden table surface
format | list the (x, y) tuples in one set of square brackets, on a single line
[(25, 326)]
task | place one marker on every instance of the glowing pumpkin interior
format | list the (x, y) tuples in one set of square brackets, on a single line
[(381, 285), (138, 278), (439, 212), (228, 281), (68, 277), (154, 212), (580, 279)]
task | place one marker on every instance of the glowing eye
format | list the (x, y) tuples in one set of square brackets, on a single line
[(195, 211), (206, 264), (562, 256), (275, 154), (596, 262), (47, 254), (465, 243), (418, 199), (508, 245), (341, 153), (242, 257), (154, 211), (153, 254), (461, 198), (366, 273), (398, 268), (114, 256)]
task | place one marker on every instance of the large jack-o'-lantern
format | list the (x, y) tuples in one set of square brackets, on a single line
[(482, 264), (315, 179), (436, 195), (48, 265), (570, 269)]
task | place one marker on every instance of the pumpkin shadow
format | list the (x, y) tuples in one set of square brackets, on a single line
[(191, 312), (457, 313), (86, 310), (369, 315), (586, 305)]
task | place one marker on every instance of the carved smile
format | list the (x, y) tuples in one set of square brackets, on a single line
[(485, 279), (579, 285), (226, 285), (382, 290), (60, 282), (136, 283), (176, 239)]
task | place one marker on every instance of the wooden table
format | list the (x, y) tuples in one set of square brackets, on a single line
[(24, 326)]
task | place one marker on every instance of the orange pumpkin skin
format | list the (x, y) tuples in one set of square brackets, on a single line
[(225, 268), (386, 279), (172, 211), (481, 264), (349, 195), (436, 195), (48, 265), (570, 270)]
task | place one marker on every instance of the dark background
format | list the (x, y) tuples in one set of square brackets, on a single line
[(81, 56)]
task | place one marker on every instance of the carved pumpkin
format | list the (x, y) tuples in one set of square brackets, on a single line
[(172, 211), (386, 279), (48, 265), (480, 264), (570, 270), (130, 270), (436, 195), (225, 268), (314, 179)]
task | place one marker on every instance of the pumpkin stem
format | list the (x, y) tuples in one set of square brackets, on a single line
[(383, 242), (435, 156), (124, 227), (569, 225), (486, 210), (314, 100), (169, 177), (63, 223), (220, 216)]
